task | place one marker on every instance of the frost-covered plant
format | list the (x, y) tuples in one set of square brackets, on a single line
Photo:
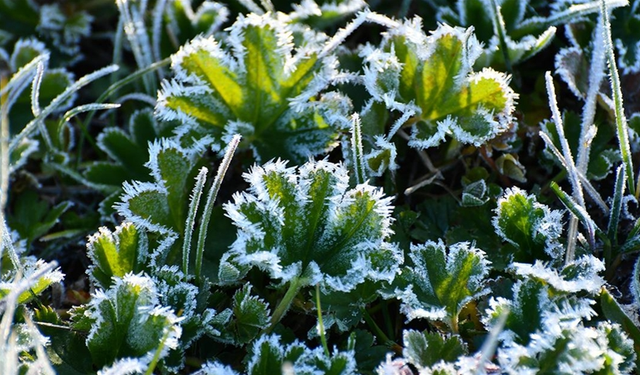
[(303, 226), (430, 80), (268, 355), (127, 321), (61, 27), (546, 330), (441, 281), (511, 30), (313, 270), (162, 206), (22, 279), (252, 83), (129, 152), (531, 228)]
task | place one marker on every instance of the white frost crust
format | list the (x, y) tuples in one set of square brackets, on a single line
[(125, 366), (309, 8), (588, 280)]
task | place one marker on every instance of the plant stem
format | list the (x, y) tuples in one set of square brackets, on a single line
[(621, 121), (156, 355), (294, 287), (500, 29), (323, 337), (211, 198), (380, 334)]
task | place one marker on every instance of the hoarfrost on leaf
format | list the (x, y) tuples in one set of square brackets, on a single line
[(532, 228), (441, 281), (269, 356), (127, 320), (304, 223), (258, 82), (115, 254), (244, 321), (161, 206), (581, 275), (431, 77)]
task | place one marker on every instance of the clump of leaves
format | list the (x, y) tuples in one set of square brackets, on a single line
[(257, 87), (441, 281), (304, 226), (61, 27), (430, 81), (127, 321)]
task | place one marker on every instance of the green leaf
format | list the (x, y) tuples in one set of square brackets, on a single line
[(115, 254), (303, 224), (435, 73), (344, 310), (615, 313), (126, 321), (29, 267), (441, 281), (626, 41), (162, 206), (532, 228), (247, 317), (33, 217), (424, 349), (259, 90), (70, 353), (268, 356)]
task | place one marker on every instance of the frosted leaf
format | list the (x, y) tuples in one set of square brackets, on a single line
[(259, 82), (244, 320), (620, 356), (626, 42), (115, 254), (546, 330), (343, 310), (30, 267), (433, 77), (532, 228), (185, 23), (571, 348), (305, 223), (579, 275), (64, 32), (161, 206), (381, 157), (425, 349), (269, 356), (475, 194), (323, 13), (441, 281), (129, 306), (216, 368), (125, 366)]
